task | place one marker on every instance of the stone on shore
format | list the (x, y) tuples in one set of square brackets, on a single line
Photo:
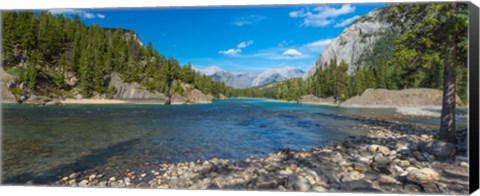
[(423, 176)]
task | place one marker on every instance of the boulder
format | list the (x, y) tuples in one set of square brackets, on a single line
[(443, 150), (380, 163), (423, 176)]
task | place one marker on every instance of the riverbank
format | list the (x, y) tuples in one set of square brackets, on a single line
[(392, 158)]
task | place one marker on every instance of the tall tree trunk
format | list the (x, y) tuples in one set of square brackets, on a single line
[(447, 120)]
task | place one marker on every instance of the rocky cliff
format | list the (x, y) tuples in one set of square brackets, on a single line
[(354, 41), (135, 92), (7, 83)]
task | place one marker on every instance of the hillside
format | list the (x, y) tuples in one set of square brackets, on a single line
[(56, 57)]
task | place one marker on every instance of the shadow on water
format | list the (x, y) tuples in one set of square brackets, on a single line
[(99, 157)]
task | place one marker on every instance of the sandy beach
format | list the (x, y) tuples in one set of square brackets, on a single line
[(92, 101)]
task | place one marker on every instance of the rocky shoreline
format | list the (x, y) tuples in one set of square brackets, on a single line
[(392, 158)]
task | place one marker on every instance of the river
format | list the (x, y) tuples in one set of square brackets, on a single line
[(44, 143)]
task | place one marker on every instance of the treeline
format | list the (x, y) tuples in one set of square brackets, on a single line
[(400, 59), (46, 51)]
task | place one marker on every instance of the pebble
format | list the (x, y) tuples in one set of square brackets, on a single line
[(92, 177), (362, 164), (464, 164), (301, 185)]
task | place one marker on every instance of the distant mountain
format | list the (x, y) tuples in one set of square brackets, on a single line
[(277, 75), (245, 79)]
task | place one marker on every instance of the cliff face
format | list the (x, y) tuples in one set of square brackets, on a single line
[(354, 41), (134, 91), (7, 82)]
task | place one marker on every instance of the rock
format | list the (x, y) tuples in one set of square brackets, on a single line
[(177, 99), (431, 188), (301, 185), (70, 78), (404, 163), (7, 83), (372, 148), (423, 176), (360, 167), (360, 185), (395, 169), (266, 182), (337, 158), (384, 179), (72, 182), (464, 164), (134, 91), (411, 188), (221, 96), (319, 189), (37, 100), (83, 183), (197, 97), (380, 163), (112, 179), (351, 176), (72, 175), (347, 47), (91, 177), (442, 150), (384, 150)]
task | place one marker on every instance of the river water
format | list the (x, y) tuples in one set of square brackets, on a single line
[(44, 143)]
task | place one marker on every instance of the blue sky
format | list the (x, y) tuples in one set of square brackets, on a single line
[(234, 38)]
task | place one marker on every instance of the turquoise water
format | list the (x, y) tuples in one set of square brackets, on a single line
[(43, 143)]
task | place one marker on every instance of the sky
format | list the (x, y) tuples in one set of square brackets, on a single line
[(247, 38)]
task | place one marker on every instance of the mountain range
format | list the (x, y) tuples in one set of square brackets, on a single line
[(245, 79)]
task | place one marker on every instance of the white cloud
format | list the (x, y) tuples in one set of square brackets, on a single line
[(80, 13), (248, 20), (319, 43), (230, 52), (236, 51), (245, 44), (292, 53), (346, 21), (321, 16)]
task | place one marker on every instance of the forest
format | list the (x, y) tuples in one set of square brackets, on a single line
[(42, 49)]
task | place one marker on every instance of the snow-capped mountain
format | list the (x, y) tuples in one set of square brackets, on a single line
[(245, 79), (277, 75)]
